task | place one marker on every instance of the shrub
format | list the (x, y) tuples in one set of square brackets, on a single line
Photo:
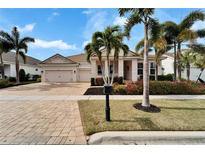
[(92, 81), (168, 77), (163, 88), (22, 75), (27, 77), (38, 80), (99, 81), (12, 79), (4, 83), (119, 89), (35, 77)]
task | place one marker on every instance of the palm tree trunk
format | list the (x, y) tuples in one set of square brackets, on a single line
[(188, 72), (103, 72), (179, 62), (17, 67), (113, 71), (145, 101), (175, 62), (156, 72), (2, 67)]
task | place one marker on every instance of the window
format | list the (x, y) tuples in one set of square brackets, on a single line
[(36, 69), (140, 69), (99, 70), (111, 69)]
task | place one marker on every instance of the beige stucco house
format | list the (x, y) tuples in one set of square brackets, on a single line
[(76, 69)]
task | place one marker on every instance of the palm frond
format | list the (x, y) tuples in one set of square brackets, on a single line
[(191, 18), (139, 45), (22, 54), (6, 36), (201, 33), (26, 40), (187, 35)]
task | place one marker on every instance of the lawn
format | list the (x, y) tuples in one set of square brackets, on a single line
[(174, 115)]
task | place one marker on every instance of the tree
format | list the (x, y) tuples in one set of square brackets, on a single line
[(138, 16), (187, 57), (157, 42), (19, 45), (182, 32), (4, 48), (109, 40)]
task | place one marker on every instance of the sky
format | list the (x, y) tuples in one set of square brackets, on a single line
[(66, 31)]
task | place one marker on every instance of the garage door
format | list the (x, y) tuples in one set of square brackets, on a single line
[(58, 76), (84, 75)]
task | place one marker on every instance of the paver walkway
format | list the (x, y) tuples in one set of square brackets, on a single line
[(40, 122)]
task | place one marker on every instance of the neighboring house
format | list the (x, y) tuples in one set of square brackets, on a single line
[(76, 69), (168, 68), (31, 65)]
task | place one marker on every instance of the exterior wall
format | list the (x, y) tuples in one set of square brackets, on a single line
[(194, 73), (168, 66), (134, 70), (7, 70)]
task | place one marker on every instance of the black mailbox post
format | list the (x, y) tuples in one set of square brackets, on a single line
[(107, 90)]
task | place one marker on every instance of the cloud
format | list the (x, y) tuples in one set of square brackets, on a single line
[(198, 25), (119, 21), (88, 11), (85, 43), (57, 44), (27, 28), (53, 15)]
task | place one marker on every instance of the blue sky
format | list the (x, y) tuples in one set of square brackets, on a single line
[(66, 31)]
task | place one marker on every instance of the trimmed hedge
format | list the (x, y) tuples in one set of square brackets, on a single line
[(4, 83), (168, 77), (160, 88)]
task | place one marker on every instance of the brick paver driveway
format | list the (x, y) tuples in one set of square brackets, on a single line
[(42, 122), (47, 89)]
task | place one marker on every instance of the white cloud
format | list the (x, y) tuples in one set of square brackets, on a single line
[(27, 28), (119, 21), (57, 44), (198, 25), (88, 11), (85, 43), (53, 15)]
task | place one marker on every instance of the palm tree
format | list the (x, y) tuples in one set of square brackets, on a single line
[(4, 48), (138, 16), (182, 32), (157, 42), (187, 57), (19, 45), (108, 40)]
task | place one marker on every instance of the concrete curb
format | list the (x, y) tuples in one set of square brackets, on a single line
[(147, 137), (95, 97)]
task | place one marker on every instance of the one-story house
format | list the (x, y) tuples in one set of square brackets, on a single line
[(168, 68), (58, 68), (30, 66)]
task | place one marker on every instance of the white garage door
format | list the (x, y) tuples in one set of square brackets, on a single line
[(84, 75), (58, 76)]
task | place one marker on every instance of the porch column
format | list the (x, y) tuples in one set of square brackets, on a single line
[(134, 70), (121, 67), (93, 69)]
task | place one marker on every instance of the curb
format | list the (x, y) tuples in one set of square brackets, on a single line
[(147, 137)]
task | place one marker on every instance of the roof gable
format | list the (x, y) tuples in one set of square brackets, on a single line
[(58, 59)]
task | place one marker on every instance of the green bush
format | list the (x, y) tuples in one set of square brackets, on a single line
[(161, 88), (38, 80), (12, 79), (119, 89), (35, 77), (168, 77), (22, 75), (4, 83)]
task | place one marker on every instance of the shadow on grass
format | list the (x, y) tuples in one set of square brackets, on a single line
[(145, 123)]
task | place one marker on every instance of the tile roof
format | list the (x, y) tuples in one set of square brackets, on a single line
[(10, 57), (78, 58)]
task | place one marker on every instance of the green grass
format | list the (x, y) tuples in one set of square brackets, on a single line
[(174, 115)]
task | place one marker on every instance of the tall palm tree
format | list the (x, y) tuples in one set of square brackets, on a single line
[(108, 40), (19, 45), (157, 42), (182, 32), (4, 48), (138, 16)]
